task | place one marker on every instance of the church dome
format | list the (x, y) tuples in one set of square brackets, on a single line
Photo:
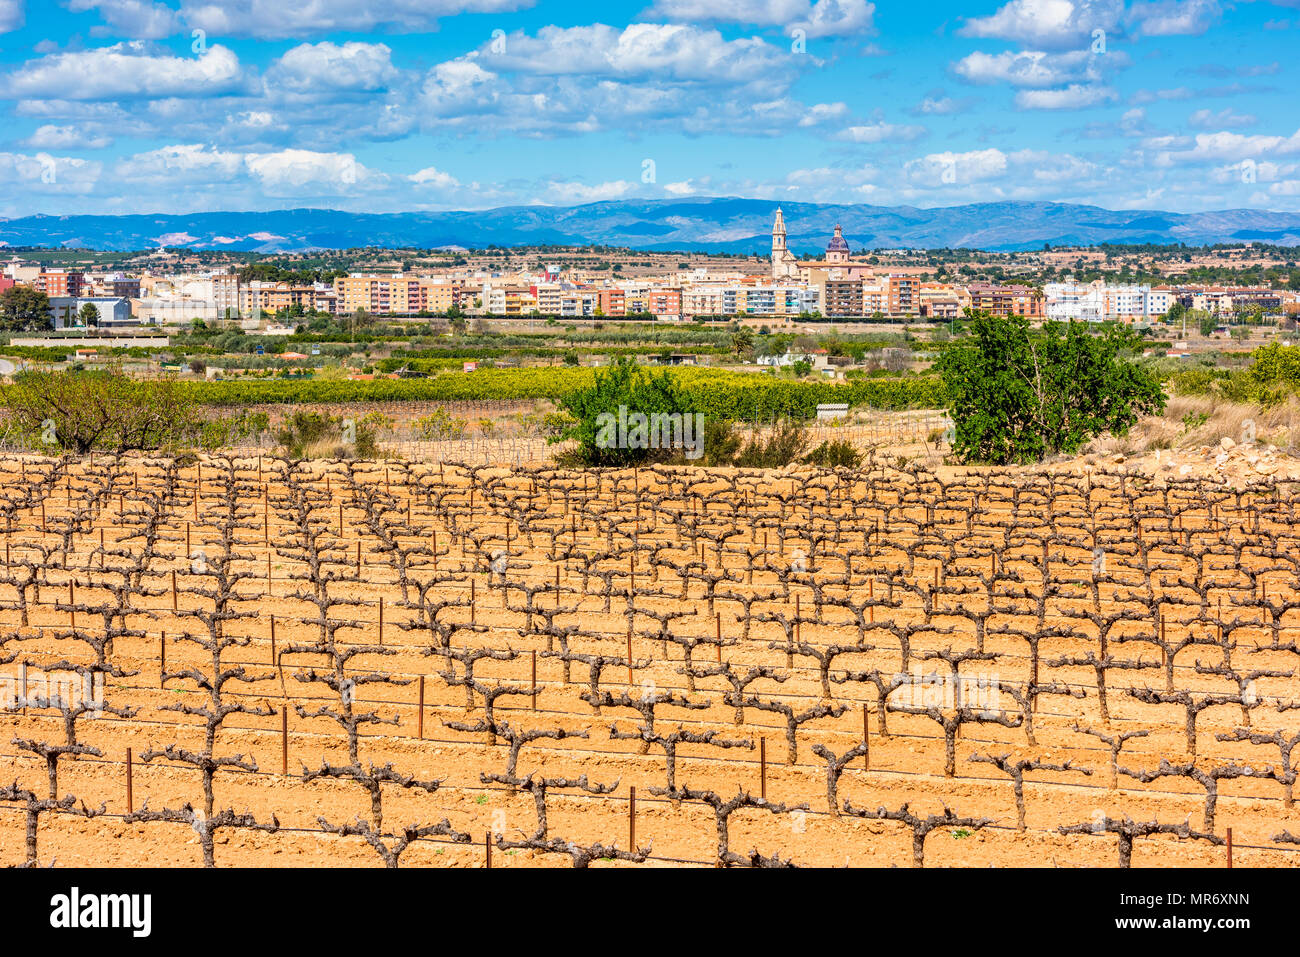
[(837, 243)]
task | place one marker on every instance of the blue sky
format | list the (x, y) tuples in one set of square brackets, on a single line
[(133, 106)]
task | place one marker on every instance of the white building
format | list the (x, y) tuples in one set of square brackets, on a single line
[(1159, 300), (66, 310), (1097, 300), (175, 311)]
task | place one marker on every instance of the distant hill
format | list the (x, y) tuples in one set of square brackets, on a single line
[(714, 225)]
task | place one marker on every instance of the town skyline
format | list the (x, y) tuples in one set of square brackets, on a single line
[(140, 106)]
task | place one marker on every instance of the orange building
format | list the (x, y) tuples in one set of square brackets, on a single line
[(397, 295), (60, 283)]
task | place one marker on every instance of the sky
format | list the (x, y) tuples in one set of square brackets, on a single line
[(141, 106)]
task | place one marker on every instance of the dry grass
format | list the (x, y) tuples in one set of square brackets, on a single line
[(1191, 422)]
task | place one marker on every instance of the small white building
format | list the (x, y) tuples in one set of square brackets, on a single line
[(66, 310)]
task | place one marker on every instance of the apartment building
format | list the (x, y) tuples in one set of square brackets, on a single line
[(1099, 300), (1159, 299), (613, 302), (225, 294), (1002, 300), (396, 295), (60, 283), (1072, 300), (502, 300), (579, 302), (844, 297), (941, 301), (256, 298), (904, 295), (1126, 301)]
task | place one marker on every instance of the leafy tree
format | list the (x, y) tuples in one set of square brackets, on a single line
[(88, 315), (103, 409), (1017, 395), (24, 309), (632, 389), (742, 341)]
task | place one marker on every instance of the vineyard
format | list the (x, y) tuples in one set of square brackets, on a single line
[(255, 662)]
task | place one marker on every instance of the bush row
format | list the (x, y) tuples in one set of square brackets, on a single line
[(717, 394)]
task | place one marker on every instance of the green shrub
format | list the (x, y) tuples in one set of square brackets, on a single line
[(315, 435), (786, 443), (440, 425), (838, 455), (1017, 395)]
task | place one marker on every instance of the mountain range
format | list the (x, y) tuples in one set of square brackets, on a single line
[(727, 225)]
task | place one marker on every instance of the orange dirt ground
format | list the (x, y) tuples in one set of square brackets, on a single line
[(1031, 553)]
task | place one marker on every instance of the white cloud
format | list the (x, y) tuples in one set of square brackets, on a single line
[(565, 194), (880, 132), (1033, 68), (315, 67), (822, 18), (1224, 119), (276, 19), (936, 104), (1163, 18), (948, 167), (51, 137), (1134, 121), (662, 51), (253, 119), (826, 184), (1045, 167), (433, 177), (124, 70), (285, 173), (647, 76), (837, 18), (43, 173), (142, 19), (181, 164), (1228, 146), (293, 172), (1264, 172), (820, 113), (457, 87), (1076, 96), (11, 15), (1048, 24)]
